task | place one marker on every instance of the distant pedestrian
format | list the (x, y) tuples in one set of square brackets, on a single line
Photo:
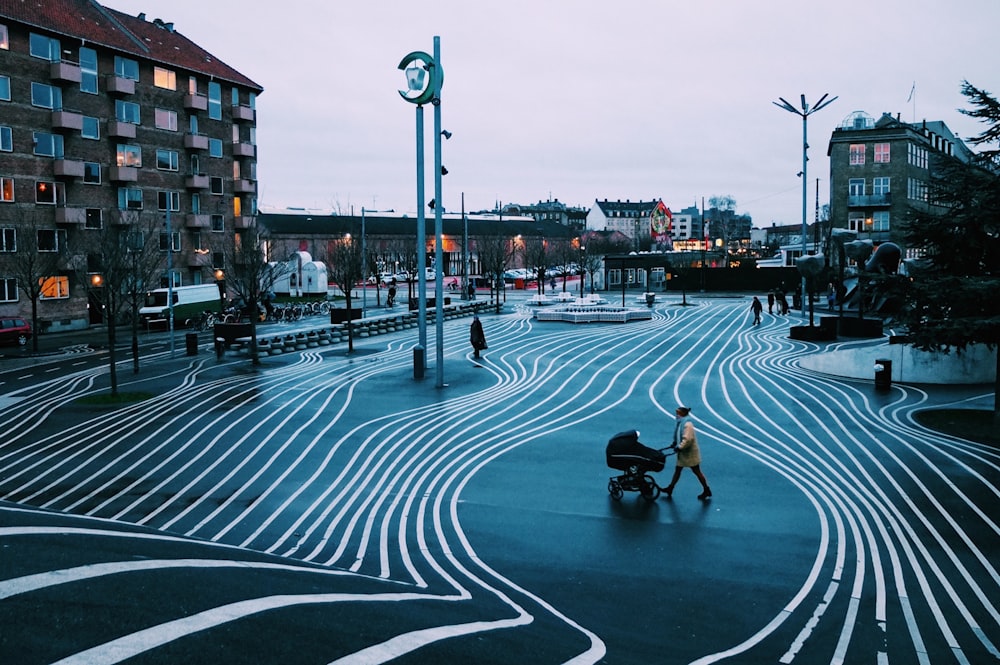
[(477, 337), (472, 291), (688, 453), (831, 296), (756, 307), (770, 302), (391, 299), (782, 303)]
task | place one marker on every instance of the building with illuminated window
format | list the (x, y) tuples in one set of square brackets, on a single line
[(879, 169), (107, 118)]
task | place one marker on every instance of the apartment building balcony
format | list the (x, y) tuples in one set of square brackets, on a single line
[(68, 168), (199, 181), (869, 201), (67, 120), (244, 150), (196, 102), (123, 174), (197, 221), (195, 142), (244, 186), (74, 216), (119, 85), (65, 71), (122, 130), (243, 114), (199, 259)]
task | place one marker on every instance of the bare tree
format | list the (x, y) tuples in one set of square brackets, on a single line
[(723, 214), (345, 271), (496, 253), (536, 257), (249, 275), (35, 260), (145, 261)]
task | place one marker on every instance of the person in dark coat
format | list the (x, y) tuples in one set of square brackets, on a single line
[(477, 337), (770, 302), (756, 307)]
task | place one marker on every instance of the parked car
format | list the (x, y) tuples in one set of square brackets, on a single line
[(14, 331)]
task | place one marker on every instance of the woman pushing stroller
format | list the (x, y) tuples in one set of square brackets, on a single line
[(688, 453)]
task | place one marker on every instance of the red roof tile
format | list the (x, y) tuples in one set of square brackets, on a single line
[(89, 21)]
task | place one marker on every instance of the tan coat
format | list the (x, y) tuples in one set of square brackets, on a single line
[(688, 453)]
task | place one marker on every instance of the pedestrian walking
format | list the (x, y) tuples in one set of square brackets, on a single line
[(688, 453), (770, 302), (477, 337), (756, 307), (391, 299), (782, 303), (472, 291)]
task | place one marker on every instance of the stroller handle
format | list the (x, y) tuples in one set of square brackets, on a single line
[(669, 450)]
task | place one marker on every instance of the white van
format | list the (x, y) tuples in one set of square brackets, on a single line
[(189, 303)]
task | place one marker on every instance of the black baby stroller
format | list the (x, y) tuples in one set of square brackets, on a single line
[(625, 453)]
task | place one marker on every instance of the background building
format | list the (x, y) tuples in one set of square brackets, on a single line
[(880, 168), (106, 119)]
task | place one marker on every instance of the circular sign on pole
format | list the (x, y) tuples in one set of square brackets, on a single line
[(423, 78)]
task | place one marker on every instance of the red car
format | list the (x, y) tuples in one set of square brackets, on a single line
[(14, 331)]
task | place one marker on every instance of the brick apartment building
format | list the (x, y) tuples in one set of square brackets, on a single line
[(879, 169), (102, 112)]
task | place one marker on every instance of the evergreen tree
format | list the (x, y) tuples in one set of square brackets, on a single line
[(951, 299)]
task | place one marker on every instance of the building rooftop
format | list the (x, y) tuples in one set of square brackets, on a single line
[(91, 22)]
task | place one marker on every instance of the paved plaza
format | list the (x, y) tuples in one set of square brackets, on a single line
[(328, 508)]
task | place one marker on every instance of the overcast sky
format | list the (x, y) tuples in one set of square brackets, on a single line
[(580, 100)]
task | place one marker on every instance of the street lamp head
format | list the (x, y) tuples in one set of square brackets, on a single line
[(446, 134), (423, 78), (444, 171), (415, 77)]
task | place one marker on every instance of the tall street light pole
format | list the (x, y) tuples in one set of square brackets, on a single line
[(438, 230), (804, 113), (422, 86)]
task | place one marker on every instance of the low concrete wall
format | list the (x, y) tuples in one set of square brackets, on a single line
[(974, 365)]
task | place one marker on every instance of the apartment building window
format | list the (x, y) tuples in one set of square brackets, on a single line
[(95, 218), (916, 190), (8, 289), (195, 162), (49, 193), (173, 242), (237, 206), (856, 222), (236, 133), (880, 220), (129, 198), (218, 223), (236, 97), (167, 160), (91, 128), (4, 39), (165, 119), (126, 68), (917, 156), (129, 155), (193, 124), (48, 145), (164, 78), (46, 96), (54, 288), (88, 70), (214, 100), (856, 187), (92, 173), (882, 153), (215, 185), (6, 190), (880, 186), (6, 139), (44, 47), (4, 88), (168, 201), (857, 154), (192, 85), (8, 239), (215, 147), (236, 170), (50, 240), (127, 111), (253, 136)]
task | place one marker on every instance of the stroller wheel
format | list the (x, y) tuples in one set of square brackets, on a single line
[(615, 490), (649, 489)]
